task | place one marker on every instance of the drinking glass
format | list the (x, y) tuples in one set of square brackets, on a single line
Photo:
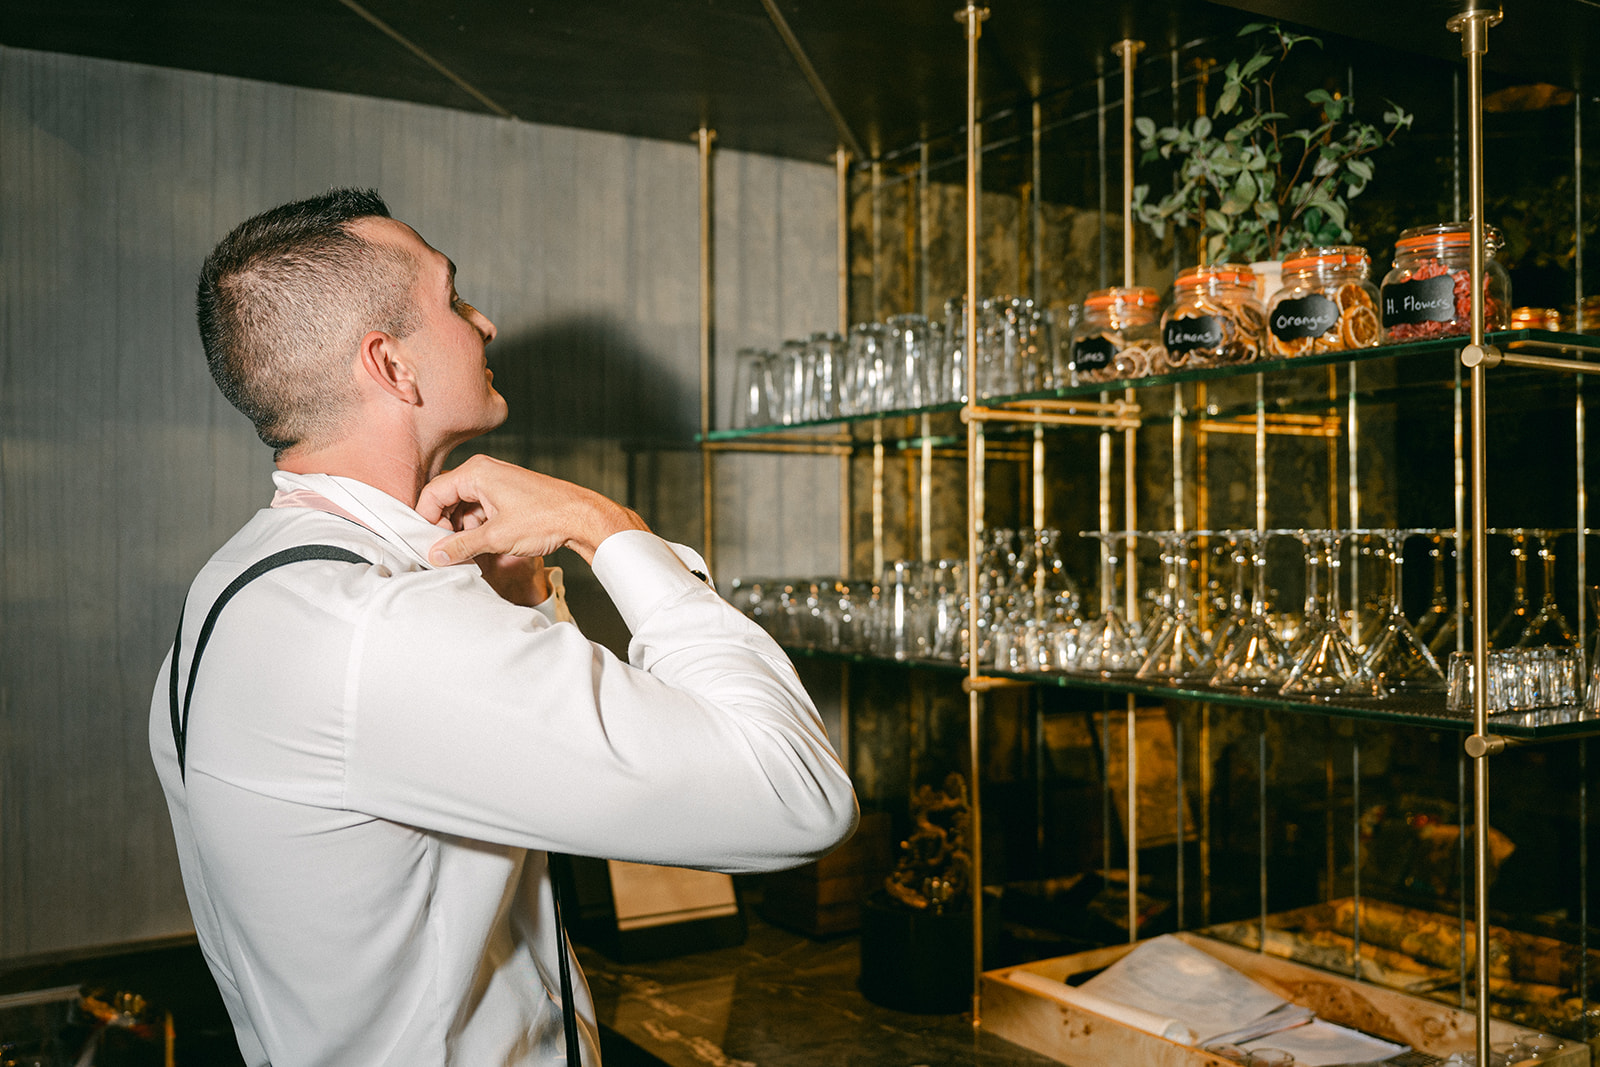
[(1395, 656), (1508, 631), (1106, 645), (866, 371), (1178, 651), (1013, 349), (824, 357), (1328, 664), (752, 389), (789, 376), (912, 342), (1251, 657), (1268, 1057), (1548, 627), (1437, 614)]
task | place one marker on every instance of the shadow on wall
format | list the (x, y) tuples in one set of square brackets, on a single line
[(585, 392), (588, 377)]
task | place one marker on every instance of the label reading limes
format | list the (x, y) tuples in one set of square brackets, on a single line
[(1092, 353)]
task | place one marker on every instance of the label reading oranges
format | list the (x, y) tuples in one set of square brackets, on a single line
[(1189, 334), (1092, 353), (1307, 316), (1419, 300)]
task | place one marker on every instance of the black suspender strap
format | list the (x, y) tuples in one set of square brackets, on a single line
[(569, 1011), (297, 554), (180, 738)]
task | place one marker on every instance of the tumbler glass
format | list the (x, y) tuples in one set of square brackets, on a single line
[(752, 389)]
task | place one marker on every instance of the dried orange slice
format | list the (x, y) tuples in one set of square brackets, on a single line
[(1297, 346), (1352, 295), (1358, 327)]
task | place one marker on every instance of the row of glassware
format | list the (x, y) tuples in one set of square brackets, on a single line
[(1031, 616), (906, 362), (1217, 314)]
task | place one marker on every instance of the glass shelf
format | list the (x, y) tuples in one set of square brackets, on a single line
[(1547, 724), (1387, 393)]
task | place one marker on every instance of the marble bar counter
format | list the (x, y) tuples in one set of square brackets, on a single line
[(778, 1000)]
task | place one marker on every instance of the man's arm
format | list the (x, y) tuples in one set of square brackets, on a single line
[(499, 508), (471, 719)]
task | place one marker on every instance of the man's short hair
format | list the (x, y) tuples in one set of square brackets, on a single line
[(283, 303)]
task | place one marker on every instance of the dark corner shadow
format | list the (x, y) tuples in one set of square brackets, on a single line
[(580, 383), (588, 377)]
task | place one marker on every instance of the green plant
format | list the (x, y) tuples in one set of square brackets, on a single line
[(1256, 190)]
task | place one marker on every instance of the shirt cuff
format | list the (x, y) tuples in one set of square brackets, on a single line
[(639, 570)]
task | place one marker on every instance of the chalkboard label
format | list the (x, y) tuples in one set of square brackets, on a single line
[(1307, 316), (1419, 301), (1092, 353), (1186, 335)]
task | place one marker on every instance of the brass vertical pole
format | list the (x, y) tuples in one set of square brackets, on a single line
[(924, 229), (841, 162), (704, 138), (1474, 29), (1036, 228), (971, 17), (877, 238), (1127, 51)]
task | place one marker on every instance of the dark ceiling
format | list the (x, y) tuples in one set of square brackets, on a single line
[(894, 69)]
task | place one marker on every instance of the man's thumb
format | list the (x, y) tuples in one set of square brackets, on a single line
[(455, 548)]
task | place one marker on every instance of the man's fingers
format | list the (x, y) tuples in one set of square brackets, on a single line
[(457, 548), (439, 496)]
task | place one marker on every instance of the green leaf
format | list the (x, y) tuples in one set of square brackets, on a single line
[(1361, 168), (1217, 221), (1254, 64), (1334, 109), (1267, 210), (1254, 27), (1334, 210), (1228, 100), (1145, 126), (1319, 96), (1202, 127), (1214, 248)]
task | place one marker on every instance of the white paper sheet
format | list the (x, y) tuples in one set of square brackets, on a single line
[(1321, 1044), (1138, 1019), (1169, 978)]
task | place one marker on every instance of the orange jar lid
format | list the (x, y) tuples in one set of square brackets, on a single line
[(1447, 235), (1136, 295), (1217, 273), (1336, 257)]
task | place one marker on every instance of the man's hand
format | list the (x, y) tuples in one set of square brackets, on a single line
[(518, 579), (497, 508)]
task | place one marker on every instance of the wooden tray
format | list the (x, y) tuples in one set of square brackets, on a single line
[(1082, 1038)]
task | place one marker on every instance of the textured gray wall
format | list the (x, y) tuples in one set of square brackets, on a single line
[(121, 469)]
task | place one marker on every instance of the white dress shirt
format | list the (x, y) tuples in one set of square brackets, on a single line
[(378, 758)]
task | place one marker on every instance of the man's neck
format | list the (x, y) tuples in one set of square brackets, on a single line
[(400, 473)]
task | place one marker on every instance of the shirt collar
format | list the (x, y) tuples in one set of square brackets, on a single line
[(372, 507)]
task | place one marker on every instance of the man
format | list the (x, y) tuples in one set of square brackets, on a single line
[(371, 760)]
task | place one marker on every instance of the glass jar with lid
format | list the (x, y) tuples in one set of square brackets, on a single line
[(1215, 317), (1428, 292), (1327, 304), (1117, 335)]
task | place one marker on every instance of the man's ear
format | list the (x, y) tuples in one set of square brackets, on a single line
[(384, 365)]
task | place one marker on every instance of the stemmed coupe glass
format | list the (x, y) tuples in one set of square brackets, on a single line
[(1178, 651), (1329, 664), (1108, 645), (1249, 655), (1396, 657)]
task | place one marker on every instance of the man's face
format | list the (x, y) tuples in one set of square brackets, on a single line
[(446, 350)]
